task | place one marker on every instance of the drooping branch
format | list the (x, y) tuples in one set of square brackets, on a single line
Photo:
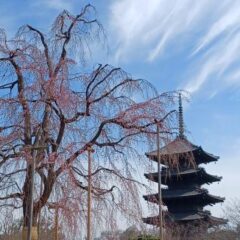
[(108, 170), (67, 34), (46, 50), (23, 102), (12, 196)]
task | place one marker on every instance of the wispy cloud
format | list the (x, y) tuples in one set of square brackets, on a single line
[(227, 21), (217, 65), (221, 47), (208, 30), (153, 26)]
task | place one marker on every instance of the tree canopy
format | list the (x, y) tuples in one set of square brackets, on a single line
[(53, 108)]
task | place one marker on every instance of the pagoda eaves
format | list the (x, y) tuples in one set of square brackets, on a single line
[(191, 217), (181, 148), (197, 197), (195, 175)]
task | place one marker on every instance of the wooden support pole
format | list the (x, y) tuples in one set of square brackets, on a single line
[(30, 205), (159, 185), (56, 224), (89, 233), (40, 211)]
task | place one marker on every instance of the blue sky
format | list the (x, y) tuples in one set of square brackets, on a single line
[(175, 44)]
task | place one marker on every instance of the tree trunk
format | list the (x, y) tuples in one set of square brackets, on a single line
[(48, 185), (34, 233)]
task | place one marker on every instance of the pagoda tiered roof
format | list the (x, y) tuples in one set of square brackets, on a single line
[(195, 175), (181, 148), (183, 218), (192, 196)]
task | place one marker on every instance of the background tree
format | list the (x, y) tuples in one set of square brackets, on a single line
[(10, 227), (53, 108), (229, 231)]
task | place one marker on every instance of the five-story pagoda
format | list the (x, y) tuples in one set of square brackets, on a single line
[(184, 197)]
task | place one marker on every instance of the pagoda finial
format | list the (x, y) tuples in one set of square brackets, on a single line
[(180, 118)]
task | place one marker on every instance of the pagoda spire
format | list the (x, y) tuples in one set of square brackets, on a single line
[(180, 117)]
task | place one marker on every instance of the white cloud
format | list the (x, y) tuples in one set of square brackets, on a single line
[(157, 50), (153, 25), (150, 29), (228, 20), (215, 65)]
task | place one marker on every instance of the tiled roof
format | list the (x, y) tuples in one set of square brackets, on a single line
[(168, 194), (180, 174), (188, 217), (181, 147)]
